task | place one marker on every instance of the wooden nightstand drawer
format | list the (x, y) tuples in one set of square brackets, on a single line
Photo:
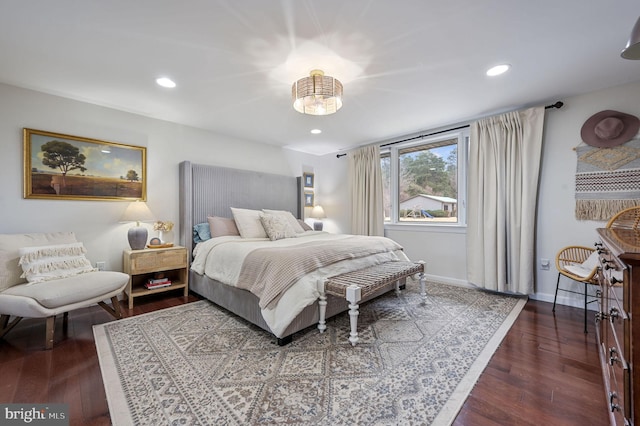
[(152, 262)]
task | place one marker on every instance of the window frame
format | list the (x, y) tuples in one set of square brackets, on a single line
[(392, 150)]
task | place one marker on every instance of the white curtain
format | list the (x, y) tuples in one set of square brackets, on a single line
[(365, 183), (504, 163)]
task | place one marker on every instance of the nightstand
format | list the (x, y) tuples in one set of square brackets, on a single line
[(142, 265)]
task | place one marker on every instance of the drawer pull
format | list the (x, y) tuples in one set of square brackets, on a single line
[(614, 280), (608, 265), (614, 407), (614, 313), (613, 356)]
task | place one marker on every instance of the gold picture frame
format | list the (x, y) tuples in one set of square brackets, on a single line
[(307, 179), (308, 199), (66, 167)]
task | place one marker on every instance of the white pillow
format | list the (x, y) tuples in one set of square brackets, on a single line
[(293, 222), (45, 263), (585, 268), (277, 226), (248, 223), (10, 245)]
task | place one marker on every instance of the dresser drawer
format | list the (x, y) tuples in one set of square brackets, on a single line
[(618, 392)]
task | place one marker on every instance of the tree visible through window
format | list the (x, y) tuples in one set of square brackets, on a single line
[(426, 176)]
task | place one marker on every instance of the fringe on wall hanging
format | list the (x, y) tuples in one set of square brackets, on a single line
[(607, 180)]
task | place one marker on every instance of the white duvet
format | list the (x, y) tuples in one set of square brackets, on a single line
[(221, 259)]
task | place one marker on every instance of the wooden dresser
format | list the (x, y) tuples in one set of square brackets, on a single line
[(616, 326)]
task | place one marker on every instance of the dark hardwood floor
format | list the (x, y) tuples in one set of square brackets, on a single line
[(546, 370)]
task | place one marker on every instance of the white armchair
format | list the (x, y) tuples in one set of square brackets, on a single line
[(59, 292)]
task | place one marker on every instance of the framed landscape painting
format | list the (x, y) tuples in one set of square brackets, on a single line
[(65, 167)]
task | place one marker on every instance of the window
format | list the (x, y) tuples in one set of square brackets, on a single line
[(423, 181)]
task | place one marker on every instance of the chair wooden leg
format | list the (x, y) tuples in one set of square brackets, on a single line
[(114, 309), (51, 325), (5, 325)]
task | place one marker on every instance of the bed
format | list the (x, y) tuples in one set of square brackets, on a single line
[(212, 191)]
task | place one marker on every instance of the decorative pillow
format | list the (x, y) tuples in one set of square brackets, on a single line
[(248, 223), (585, 268), (45, 263), (222, 226), (304, 225), (201, 232), (293, 222), (277, 226), (10, 244)]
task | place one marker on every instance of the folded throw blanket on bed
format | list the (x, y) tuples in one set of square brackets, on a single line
[(268, 272)]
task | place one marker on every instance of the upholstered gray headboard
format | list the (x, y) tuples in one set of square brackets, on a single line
[(212, 190)]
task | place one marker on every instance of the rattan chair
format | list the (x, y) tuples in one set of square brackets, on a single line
[(626, 219), (576, 256)]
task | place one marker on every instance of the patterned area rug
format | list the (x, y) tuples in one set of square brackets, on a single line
[(197, 364)]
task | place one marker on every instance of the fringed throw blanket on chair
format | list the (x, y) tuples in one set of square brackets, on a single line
[(607, 180)]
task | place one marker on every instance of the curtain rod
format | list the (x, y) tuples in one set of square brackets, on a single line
[(558, 105)]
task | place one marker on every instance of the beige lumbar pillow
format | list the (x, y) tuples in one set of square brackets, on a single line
[(45, 263)]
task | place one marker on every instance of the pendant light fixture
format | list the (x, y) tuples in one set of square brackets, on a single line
[(317, 94), (632, 49)]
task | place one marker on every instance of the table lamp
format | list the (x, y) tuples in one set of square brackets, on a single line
[(137, 212), (318, 213)]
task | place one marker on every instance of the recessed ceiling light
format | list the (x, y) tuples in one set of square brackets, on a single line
[(498, 69), (316, 131), (165, 82)]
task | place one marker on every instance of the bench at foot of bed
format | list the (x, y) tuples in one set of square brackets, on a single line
[(358, 285)]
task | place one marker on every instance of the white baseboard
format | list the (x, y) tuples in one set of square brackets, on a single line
[(449, 280), (576, 301)]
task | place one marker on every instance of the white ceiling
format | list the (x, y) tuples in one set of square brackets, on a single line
[(406, 65)]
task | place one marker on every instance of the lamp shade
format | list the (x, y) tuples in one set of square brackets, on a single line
[(318, 213), (632, 49), (317, 94), (137, 212)]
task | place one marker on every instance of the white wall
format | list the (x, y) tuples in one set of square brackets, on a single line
[(556, 223), (444, 249), (96, 222)]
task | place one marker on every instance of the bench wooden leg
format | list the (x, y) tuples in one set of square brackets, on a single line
[(353, 297), (322, 306), (423, 285), (51, 326)]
